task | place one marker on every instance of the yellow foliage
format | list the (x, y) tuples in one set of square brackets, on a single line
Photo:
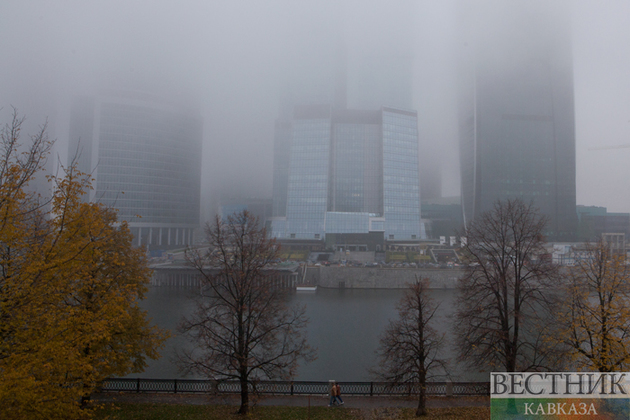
[(595, 316), (70, 283)]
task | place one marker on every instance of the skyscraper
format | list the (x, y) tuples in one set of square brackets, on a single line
[(145, 157), (350, 172), (517, 136)]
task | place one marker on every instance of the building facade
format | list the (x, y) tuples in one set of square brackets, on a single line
[(517, 136), (144, 155), (594, 222), (349, 172)]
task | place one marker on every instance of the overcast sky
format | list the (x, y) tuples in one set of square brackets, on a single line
[(232, 60)]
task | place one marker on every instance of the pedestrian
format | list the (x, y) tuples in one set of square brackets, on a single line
[(338, 393), (333, 394)]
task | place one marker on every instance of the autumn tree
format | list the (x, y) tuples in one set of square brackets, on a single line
[(409, 348), (505, 298), (107, 280), (243, 327), (70, 283), (595, 317)]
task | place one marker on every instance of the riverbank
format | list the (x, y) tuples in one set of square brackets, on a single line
[(380, 278), (333, 277)]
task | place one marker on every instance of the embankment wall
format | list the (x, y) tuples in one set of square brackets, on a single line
[(380, 278)]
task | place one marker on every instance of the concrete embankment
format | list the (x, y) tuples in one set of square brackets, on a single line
[(380, 278), (335, 277)]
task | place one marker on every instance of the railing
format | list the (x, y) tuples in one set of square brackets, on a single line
[(291, 388)]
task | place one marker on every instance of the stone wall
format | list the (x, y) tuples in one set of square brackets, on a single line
[(328, 277), (186, 276), (380, 278)]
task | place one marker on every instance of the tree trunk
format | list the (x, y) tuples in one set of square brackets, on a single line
[(85, 398), (244, 409), (422, 400)]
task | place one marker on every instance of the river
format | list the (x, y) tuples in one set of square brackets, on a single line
[(345, 326)]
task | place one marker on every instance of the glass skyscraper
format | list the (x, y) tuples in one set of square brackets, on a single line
[(401, 189), (517, 136), (307, 189), (350, 172), (145, 157)]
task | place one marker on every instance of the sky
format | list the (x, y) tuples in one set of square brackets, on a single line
[(232, 60)]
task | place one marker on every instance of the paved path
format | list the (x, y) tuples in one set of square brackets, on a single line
[(288, 400)]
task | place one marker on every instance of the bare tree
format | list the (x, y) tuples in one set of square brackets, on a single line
[(504, 303), (243, 327), (20, 162), (596, 314), (408, 349)]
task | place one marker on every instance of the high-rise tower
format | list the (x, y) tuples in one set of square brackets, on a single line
[(350, 172), (145, 157), (517, 136)]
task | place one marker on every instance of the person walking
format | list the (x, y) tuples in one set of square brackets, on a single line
[(338, 394), (333, 394)]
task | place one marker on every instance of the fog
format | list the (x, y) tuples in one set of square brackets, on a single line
[(238, 61)]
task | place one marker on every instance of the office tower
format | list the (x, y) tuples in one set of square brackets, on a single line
[(517, 136), (281, 160), (145, 157), (256, 207), (385, 78), (320, 80), (351, 172)]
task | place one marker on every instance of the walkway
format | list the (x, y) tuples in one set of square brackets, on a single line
[(287, 400)]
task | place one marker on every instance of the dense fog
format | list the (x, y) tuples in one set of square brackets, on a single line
[(236, 62)]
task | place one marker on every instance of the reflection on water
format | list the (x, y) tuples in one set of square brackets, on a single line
[(344, 327)]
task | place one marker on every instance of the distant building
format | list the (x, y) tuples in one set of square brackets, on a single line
[(616, 243), (145, 157), (593, 222), (230, 210), (259, 208), (348, 173), (281, 161), (444, 216), (517, 135)]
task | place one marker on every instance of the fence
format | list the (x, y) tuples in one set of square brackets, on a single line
[(291, 388)]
